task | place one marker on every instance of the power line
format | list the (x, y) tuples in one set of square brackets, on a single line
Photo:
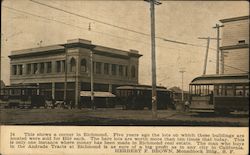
[(98, 32), (86, 29), (112, 25)]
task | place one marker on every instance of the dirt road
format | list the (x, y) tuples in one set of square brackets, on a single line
[(117, 117)]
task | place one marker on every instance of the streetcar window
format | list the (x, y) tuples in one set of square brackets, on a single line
[(229, 91), (239, 91), (246, 90)]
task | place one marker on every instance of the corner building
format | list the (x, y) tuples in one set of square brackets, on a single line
[(56, 66)]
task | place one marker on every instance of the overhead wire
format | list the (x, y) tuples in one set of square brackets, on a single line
[(87, 29), (112, 25)]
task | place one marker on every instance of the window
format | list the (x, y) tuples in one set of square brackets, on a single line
[(41, 68), (239, 90), (28, 68), (20, 68), (63, 66), (58, 66), (133, 71), (98, 67), (83, 65), (113, 69), (49, 67), (106, 68), (35, 71), (120, 70), (241, 41), (126, 71), (14, 69), (72, 65)]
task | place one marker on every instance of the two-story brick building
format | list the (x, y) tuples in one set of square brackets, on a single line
[(235, 45), (56, 66)]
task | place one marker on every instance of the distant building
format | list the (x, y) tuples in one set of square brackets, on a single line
[(235, 45), (51, 66)]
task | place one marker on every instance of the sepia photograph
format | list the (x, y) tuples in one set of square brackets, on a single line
[(143, 63), (108, 77)]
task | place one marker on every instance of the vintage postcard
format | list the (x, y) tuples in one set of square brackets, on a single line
[(131, 77)]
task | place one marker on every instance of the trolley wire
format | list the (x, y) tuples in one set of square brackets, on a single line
[(82, 28)]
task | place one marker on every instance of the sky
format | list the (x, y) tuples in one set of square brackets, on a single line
[(25, 23)]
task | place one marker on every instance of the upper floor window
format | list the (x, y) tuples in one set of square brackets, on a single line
[(72, 65), (98, 67), (113, 69), (58, 66), (106, 68), (120, 70), (63, 66), (35, 69), (49, 67), (133, 71), (126, 70), (241, 41), (14, 69), (83, 65), (20, 68), (41, 68), (28, 68)]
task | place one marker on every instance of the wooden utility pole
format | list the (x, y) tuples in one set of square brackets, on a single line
[(153, 61), (218, 47), (65, 76), (92, 81), (182, 92), (206, 54)]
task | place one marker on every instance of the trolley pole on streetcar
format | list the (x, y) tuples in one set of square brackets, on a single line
[(217, 26), (206, 55), (182, 92), (153, 61)]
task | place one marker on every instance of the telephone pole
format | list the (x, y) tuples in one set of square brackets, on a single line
[(182, 92), (217, 26), (153, 61), (206, 54)]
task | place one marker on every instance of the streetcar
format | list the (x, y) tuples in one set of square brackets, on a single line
[(21, 96), (219, 93), (138, 97)]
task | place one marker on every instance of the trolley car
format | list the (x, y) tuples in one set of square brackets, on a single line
[(220, 93), (21, 96), (137, 97)]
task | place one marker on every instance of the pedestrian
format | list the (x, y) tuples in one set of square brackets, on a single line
[(186, 105)]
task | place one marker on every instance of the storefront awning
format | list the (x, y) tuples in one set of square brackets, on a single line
[(96, 94)]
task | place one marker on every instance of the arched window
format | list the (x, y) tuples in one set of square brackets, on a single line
[(133, 71), (72, 65), (83, 65)]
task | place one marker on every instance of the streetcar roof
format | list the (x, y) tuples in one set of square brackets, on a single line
[(221, 79), (140, 87)]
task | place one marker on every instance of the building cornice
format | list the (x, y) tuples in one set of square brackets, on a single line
[(234, 19), (234, 47)]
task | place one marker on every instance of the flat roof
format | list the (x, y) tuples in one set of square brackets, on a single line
[(234, 19), (76, 43)]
